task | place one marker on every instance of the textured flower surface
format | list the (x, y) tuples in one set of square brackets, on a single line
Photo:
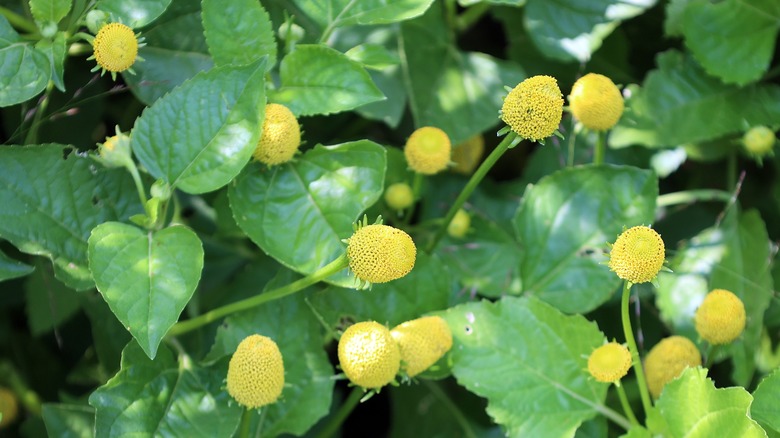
[(610, 362), (368, 355), (281, 136), (423, 341), (721, 317), (667, 360), (459, 225), (637, 255), (399, 196), (468, 154), (596, 102), (9, 407), (380, 253), (115, 47), (428, 150), (533, 109), (255, 374), (759, 140)]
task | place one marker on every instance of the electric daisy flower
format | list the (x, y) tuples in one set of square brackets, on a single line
[(428, 150), (422, 342), (255, 374), (399, 196), (115, 49), (380, 253), (667, 360), (368, 355), (533, 108), (281, 136), (637, 255), (609, 363), (759, 141), (467, 155), (721, 317), (596, 102)]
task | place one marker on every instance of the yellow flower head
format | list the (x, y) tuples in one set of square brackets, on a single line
[(255, 374), (721, 317), (534, 107), (368, 355), (637, 255), (428, 150), (468, 154), (115, 47), (596, 102), (399, 196), (422, 342), (281, 136), (459, 225), (9, 407), (380, 253), (759, 141), (667, 360), (609, 363)]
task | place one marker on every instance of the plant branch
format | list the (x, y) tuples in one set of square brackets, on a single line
[(628, 332), (18, 21), (626, 406), (601, 147), (691, 196), (345, 409)]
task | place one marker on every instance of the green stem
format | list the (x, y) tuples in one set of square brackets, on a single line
[(139, 185), (601, 147), (471, 16), (345, 409), (28, 398), (452, 407), (626, 406), (18, 21), (711, 350), (289, 289), (647, 404), (690, 196), (246, 422), (32, 133), (417, 183), (476, 178), (572, 137)]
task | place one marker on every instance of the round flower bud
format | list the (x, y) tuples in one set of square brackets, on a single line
[(9, 407), (422, 342), (255, 374), (759, 140), (609, 363), (468, 154), (380, 253), (115, 47), (534, 107), (281, 136), (459, 225), (667, 360), (368, 355), (428, 150), (721, 317), (596, 102), (399, 196), (637, 255)]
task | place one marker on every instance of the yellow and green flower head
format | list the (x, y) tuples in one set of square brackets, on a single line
[(533, 108), (281, 136), (759, 141), (721, 317), (380, 253), (428, 150), (596, 102), (9, 407), (399, 196), (368, 355), (609, 363), (460, 224), (422, 342), (255, 374), (115, 48), (637, 255), (667, 360), (468, 154)]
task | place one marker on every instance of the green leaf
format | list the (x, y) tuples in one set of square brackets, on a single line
[(8, 35), (373, 56), (298, 212), (495, 2), (69, 421), (134, 13), (158, 397), (308, 375), (766, 402), (564, 223), (55, 50), (679, 103), (45, 11), (319, 80), (692, 407), (529, 361), (49, 303), (331, 14), (389, 303), (741, 32), (24, 72), (205, 146), (52, 198), (238, 32), (145, 277), (10, 268)]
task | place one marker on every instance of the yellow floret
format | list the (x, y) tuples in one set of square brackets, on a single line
[(422, 342), (721, 317), (759, 140), (380, 253), (637, 255), (255, 374), (9, 407), (534, 107), (115, 47), (609, 363), (459, 225), (399, 196), (468, 154), (596, 102), (667, 360), (428, 150), (281, 136), (368, 355)]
